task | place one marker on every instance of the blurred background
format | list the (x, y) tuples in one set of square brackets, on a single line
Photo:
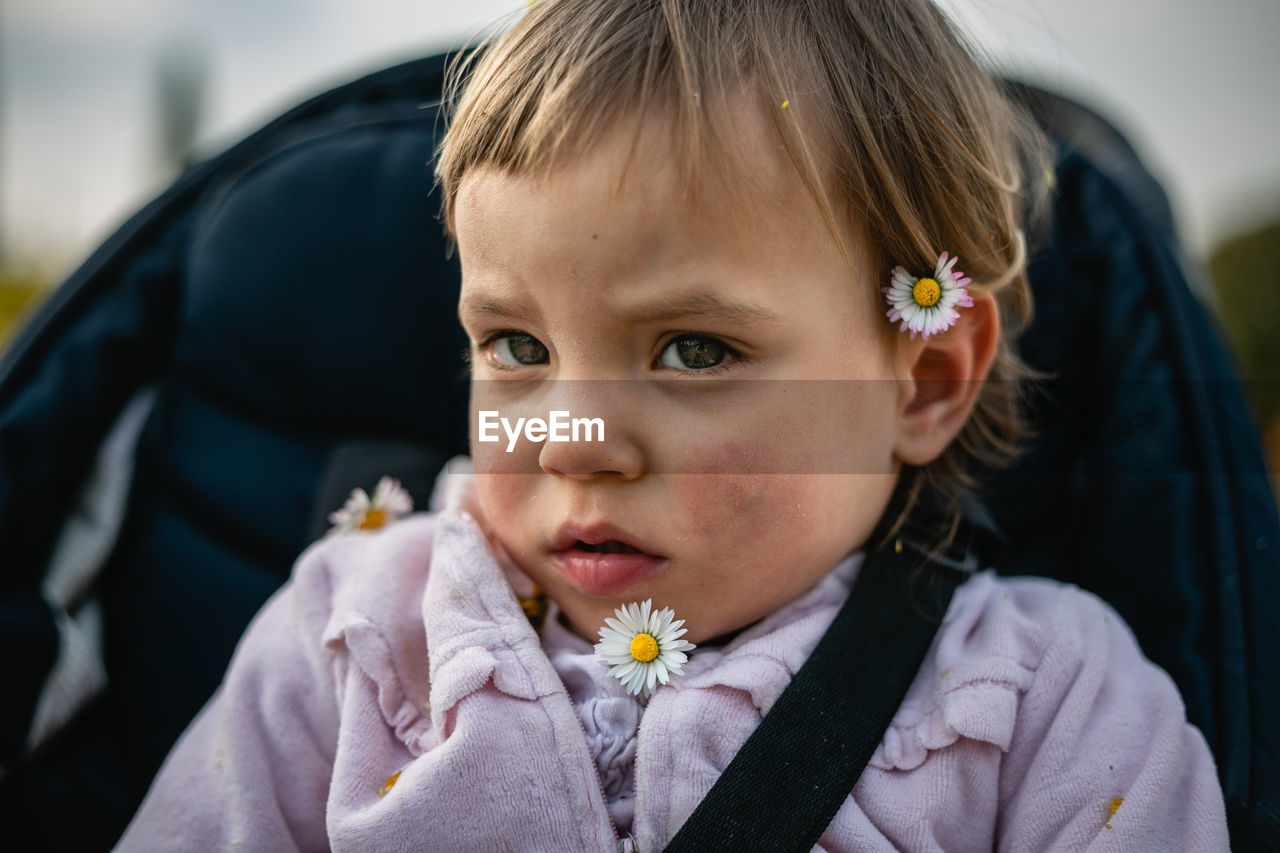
[(103, 101)]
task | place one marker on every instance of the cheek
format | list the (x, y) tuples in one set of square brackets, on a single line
[(812, 520), (754, 487), (740, 455), (493, 462), (810, 427), (730, 508), (503, 502)]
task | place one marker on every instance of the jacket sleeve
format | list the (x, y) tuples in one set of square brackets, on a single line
[(252, 771), (1102, 756)]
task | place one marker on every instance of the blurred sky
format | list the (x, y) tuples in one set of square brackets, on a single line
[(1193, 83)]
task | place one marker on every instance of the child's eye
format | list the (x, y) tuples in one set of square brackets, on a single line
[(696, 352), (517, 349)]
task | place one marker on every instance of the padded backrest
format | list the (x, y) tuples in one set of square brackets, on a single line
[(291, 309), (1147, 483), (318, 310)]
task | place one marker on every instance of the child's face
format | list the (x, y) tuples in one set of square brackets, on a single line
[(728, 483)]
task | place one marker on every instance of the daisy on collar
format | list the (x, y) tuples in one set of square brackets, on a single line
[(389, 502), (643, 648)]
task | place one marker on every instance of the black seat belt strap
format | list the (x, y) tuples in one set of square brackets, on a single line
[(787, 782)]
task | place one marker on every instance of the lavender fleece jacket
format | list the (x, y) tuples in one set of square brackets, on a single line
[(406, 652)]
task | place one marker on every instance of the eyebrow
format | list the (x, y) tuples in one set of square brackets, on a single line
[(702, 305), (490, 306), (685, 305)]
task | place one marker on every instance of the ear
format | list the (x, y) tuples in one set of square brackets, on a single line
[(944, 377)]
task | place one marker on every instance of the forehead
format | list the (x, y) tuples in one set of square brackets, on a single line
[(639, 171), (622, 217), (651, 154)]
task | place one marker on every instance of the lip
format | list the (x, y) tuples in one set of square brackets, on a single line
[(597, 573)]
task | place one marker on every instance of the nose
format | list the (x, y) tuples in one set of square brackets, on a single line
[(604, 437)]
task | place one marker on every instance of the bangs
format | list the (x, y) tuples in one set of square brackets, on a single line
[(570, 71)]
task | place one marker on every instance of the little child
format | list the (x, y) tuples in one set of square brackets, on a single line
[(729, 234)]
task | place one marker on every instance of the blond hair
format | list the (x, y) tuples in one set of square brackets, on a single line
[(890, 122)]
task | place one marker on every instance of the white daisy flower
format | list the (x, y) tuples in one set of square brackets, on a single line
[(643, 648), (360, 512), (926, 306)]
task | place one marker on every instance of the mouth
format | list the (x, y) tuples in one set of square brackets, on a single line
[(609, 546), (602, 560)]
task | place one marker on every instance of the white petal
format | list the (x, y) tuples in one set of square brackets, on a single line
[(661, 669), (609, 646), (399, 504), (635, 681), (673, 660), (627, 622), (356, 504), (385, 490), (616, 658)]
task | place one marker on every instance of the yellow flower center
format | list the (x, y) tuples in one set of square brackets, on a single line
[(926, 293), (644, 647), (373, 519)]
